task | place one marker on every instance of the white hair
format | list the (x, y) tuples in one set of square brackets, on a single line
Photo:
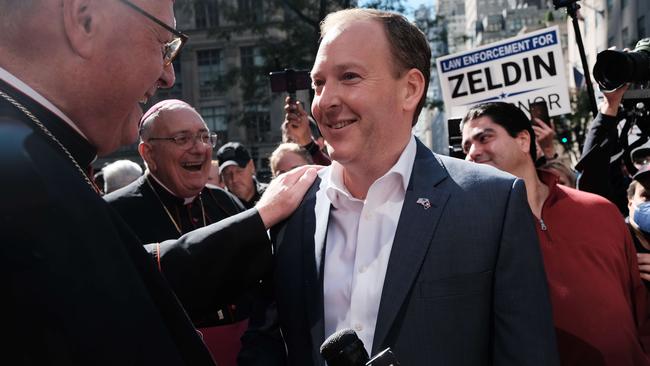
[(119, 174)]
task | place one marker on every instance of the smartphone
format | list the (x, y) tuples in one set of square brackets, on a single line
[(455, 138), (539, 110), (290, 80)]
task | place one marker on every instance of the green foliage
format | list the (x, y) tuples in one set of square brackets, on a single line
[(573, 127), (389, 5), (549, 18)]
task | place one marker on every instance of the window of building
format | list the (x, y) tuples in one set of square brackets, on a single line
[(252, 9), (252, 62), (258, 121), (206, 13), (640, 26), (251, 57), (211, 72), (624, 3), (610, 3), (217, 121), (625, 34)]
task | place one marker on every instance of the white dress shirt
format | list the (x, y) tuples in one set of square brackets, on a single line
[(359, 239)]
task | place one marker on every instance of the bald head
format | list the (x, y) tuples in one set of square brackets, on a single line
[(23, 21), (12, 8), (112, 49), (158, 114)]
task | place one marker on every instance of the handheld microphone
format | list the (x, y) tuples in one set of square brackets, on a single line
[(344, 348)]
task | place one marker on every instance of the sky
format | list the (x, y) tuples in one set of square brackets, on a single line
[(411, 5), (416, 3)]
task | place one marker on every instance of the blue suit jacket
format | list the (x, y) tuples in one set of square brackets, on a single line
[(465, 283)]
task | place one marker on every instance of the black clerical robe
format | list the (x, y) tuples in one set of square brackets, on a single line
[(155, 215), (78, 286)]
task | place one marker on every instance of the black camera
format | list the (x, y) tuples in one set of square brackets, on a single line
[(289, 81), (562, 3), (615, 68)]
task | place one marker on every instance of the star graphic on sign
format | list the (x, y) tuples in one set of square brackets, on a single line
[(503, 95)]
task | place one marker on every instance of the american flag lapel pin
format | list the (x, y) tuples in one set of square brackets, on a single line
[(424, 202)]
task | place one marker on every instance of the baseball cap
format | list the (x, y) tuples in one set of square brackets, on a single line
[(640, 157), (640, 153), (233, 153), (642, 174)]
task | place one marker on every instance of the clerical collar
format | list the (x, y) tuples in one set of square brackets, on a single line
[(83, 152), (148, 173), (40, 99)]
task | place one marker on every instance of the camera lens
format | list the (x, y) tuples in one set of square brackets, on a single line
[(615, 68)]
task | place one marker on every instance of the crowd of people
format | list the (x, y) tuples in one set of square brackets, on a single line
[(496, 260)]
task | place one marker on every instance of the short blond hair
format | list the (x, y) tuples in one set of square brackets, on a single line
[(284, 148)]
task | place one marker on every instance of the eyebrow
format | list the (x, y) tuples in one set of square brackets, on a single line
[(482, 132), (340, 67), (477, 135)]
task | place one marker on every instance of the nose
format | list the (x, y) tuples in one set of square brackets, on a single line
[(473, 154), (167, 77), (328, 101)]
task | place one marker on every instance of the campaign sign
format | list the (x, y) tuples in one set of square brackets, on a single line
[(519, 70)]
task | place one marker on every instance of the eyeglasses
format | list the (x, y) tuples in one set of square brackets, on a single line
[(187, 140), (172, 48)]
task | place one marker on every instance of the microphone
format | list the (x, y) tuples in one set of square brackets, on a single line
[(344, 348)]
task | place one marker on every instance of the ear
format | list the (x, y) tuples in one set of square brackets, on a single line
[(146, 153), (629, 205), (523, 139), (414, 88), (80, 18), (251, 166)]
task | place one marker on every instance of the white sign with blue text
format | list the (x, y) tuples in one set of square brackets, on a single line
[(519, 70)]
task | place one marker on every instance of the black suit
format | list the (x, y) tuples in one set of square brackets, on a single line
[(465, 284), (78, 286)]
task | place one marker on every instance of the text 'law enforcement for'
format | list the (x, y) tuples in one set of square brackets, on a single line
[(518, 70)]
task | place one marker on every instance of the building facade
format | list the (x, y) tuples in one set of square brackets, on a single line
[(222, 72)]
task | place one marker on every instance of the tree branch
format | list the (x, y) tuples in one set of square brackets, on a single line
[(300, 14)]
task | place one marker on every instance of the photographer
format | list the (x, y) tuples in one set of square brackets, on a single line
[(606, 164), (611, 177), (599, 174)]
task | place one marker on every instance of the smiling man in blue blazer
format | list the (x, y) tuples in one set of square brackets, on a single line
[(434, 257)]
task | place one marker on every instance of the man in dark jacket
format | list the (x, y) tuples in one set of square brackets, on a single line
[(78, 286)]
